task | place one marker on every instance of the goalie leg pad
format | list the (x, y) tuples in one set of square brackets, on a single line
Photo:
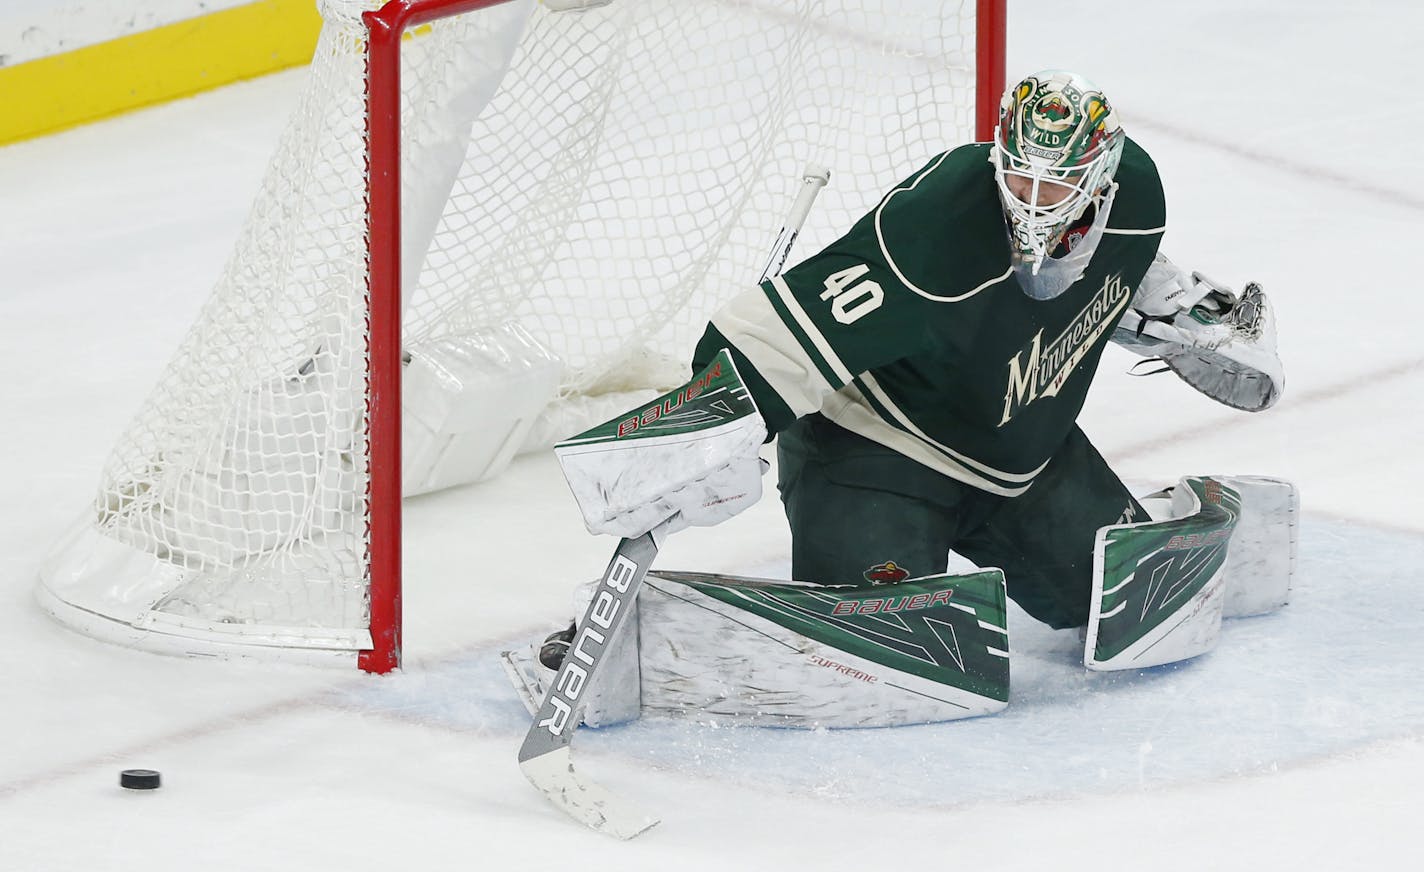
[(785, 654), (1159, 587), (1261, 565)]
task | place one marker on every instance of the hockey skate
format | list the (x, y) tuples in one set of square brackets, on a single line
[(556, 647), (532, 668)]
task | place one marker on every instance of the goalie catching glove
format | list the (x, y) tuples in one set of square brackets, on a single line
[(1219, 342), (690, 456)]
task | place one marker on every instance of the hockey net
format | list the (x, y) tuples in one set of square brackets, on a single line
[(579, 191)]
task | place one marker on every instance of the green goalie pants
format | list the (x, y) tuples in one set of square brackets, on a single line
[(860, 512)]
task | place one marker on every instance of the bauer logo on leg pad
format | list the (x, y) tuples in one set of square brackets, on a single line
[(892, 604)]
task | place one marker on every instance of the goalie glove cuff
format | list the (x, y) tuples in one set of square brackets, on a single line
[(1239, 367), (1221, 343), (1225, 346)]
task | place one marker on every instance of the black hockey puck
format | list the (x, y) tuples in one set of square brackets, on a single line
[(139, 779)]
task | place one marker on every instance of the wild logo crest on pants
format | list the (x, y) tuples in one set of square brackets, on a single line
[(888, 572)]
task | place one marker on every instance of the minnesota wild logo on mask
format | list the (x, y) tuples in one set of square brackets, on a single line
[(1053, 114), (1055, 151)]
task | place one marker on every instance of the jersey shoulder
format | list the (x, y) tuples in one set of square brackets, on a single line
[(1140, 204), (941, 231)]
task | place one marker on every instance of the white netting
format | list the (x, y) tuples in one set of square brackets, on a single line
[(627, 176)]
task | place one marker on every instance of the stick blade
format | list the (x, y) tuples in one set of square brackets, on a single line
[(553, 773)]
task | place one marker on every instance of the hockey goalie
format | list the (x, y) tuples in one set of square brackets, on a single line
[(922, 377)]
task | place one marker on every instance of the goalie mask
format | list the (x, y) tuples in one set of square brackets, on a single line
[(1056, 148)]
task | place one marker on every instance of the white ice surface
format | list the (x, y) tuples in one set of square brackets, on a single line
[(1283, 133)]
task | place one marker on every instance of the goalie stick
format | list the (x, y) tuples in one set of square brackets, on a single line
[(545, 758), (813, 178)]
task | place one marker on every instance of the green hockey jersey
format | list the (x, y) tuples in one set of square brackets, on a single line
[(911, 330)]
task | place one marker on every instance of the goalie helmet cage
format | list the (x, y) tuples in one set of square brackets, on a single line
[(471, 187)]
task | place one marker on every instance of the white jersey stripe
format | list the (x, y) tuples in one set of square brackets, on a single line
[(803, 320), (849, 409), (884, 400), (751, 323), (1123, 232)]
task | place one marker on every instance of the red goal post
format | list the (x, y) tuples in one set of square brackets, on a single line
[(642, 149)]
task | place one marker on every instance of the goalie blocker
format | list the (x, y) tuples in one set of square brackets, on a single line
[(689, 459)]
